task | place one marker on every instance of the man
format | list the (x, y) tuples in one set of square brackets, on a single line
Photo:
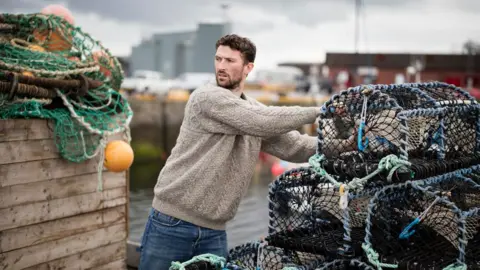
[(210, 168)]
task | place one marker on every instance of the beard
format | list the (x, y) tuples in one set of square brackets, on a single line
[(227, 81)]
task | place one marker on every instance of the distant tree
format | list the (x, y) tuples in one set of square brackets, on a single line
[(471, 47)]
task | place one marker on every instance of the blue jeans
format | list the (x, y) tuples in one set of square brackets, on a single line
[(167, 239)]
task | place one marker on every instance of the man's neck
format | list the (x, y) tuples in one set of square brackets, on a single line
[(238, 91)]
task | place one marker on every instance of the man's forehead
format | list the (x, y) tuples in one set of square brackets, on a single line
[(227, 52)]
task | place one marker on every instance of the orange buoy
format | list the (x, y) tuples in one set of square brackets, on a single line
[(60, 11), (102, 58), (36, 48), (60, 39), (27, 73), (118, 156)]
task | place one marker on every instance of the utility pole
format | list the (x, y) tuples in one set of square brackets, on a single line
[(357, 24), (226, 18)]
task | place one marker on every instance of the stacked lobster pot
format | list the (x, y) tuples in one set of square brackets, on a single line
[(394, 184)]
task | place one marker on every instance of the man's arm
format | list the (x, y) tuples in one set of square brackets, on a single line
[(229, 114), (298, 148), (291, 146)]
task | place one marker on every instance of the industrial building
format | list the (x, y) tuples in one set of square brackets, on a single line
[(175, 53)]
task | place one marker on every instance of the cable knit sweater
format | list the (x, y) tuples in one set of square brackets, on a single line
[(212, 163)]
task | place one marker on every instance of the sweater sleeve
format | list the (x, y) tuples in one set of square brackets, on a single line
[(291, 146), (229, 114)]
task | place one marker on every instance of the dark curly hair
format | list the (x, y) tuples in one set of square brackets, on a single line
[(238, 43)]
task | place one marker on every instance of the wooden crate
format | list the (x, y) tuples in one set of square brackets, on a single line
[(51, 214)]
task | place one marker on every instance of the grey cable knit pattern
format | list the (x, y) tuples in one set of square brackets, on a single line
[(212, 163)]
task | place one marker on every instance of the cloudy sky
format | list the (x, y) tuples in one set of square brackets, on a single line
[(283, 30)]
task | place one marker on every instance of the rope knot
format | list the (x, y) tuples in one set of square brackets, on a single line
[(373, 257), (456, 266), (391, 161)]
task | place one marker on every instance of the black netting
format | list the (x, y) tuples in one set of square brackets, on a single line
[(305, 215), (408, 227), (341, 122), (418, 123), (262, 255), (464, 191)]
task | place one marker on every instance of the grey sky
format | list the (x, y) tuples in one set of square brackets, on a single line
[(284, 30), (178, 12)]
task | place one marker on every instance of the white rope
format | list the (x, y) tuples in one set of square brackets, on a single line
[(87, 125)]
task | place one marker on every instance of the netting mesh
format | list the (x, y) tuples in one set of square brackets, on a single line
[(407, 226), (262, 255), (305, 215), (53, 70)]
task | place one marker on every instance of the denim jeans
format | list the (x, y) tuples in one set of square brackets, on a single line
[(167, 239)]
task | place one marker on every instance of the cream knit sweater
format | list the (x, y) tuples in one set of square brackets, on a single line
[(212, 163)]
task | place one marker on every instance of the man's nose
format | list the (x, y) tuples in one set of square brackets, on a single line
[(221, 69)]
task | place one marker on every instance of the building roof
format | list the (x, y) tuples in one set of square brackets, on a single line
[(305, 67), (440, 62)]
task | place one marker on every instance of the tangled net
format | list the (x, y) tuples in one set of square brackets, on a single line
[(395, 184), (50, 69)]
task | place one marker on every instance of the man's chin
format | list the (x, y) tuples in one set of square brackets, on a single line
[(224, 84)]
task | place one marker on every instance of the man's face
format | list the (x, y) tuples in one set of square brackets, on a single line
[(230, 69)]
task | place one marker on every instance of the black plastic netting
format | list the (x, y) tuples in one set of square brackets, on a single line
[(464, 191), (421, 124), (262, 255), (408, 226), (305, 215)]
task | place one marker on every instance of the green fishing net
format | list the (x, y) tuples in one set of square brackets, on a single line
[(53, 70)]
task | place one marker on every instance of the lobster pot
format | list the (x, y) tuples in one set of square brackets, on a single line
[(53, 216), (421, 123), (463, 190), (305, 215), (395, 238), (260, 255)]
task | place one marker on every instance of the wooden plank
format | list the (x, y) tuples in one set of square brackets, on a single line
[(116, 265), (31, 150), (23, 151), (53, 230), (33, 255), (25, 129), (44, 211), (58, 188), (127, 205), (91, 258), (35, 171)]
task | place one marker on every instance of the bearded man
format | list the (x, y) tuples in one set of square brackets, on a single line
[(210, 168)]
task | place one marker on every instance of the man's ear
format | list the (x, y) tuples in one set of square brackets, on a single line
[(249, 68)]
